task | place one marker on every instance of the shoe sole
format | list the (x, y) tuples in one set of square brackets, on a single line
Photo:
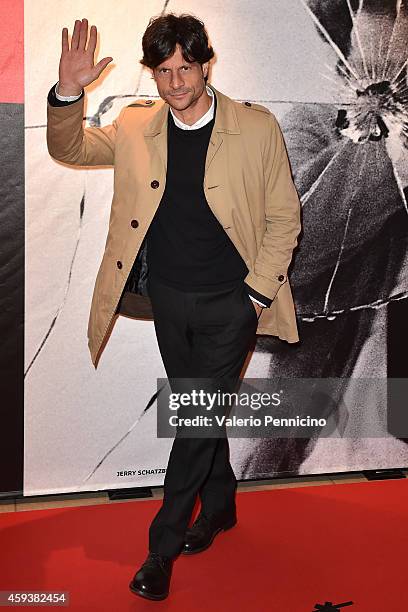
[(146, 595), (198, 550)]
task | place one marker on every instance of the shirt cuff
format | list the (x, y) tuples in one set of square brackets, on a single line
[(54, 101), (257, 301), (261, 299), (66, 98)]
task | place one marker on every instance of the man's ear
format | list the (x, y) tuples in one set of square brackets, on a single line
[(204, 68), (152, 73)]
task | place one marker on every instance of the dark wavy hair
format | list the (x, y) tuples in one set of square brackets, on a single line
[(163, 33)]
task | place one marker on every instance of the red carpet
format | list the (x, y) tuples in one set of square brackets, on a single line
[(291, 549)]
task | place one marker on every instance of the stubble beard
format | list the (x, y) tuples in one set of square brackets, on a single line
[(185, 102)]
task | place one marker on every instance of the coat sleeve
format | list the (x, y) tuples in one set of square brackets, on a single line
[(282, 215), (70, 142)]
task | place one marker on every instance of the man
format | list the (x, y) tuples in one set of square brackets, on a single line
[(209, 181)]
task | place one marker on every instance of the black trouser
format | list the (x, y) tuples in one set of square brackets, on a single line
[(200, 335)]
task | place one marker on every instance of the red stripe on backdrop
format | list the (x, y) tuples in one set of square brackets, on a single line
[(12, 51)]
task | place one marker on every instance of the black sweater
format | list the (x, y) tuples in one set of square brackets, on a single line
[(187, 247)]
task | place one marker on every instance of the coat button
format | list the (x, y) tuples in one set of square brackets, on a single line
[(149, 101), (248, 104), (134, 223), (154, 184), (119, 264), (281, 277)]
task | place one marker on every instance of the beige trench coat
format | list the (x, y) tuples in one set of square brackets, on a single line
[(247, 183)]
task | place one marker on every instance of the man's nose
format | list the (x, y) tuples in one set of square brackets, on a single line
[(176, 80)]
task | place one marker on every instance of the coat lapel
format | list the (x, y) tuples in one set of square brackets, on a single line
[(226, 122), (155, 133), (214, 145)]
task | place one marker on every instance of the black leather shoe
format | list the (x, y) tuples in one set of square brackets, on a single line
[(203, 531), (152, 581)]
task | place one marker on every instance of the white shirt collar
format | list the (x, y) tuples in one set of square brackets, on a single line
[(200, 122)]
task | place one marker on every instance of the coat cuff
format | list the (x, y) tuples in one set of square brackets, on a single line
[(53, 100), (266, 286)]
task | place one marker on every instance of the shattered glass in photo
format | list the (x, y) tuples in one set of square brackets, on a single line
[(350, 165)]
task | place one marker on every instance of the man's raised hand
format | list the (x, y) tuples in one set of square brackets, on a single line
[(77, 68)]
